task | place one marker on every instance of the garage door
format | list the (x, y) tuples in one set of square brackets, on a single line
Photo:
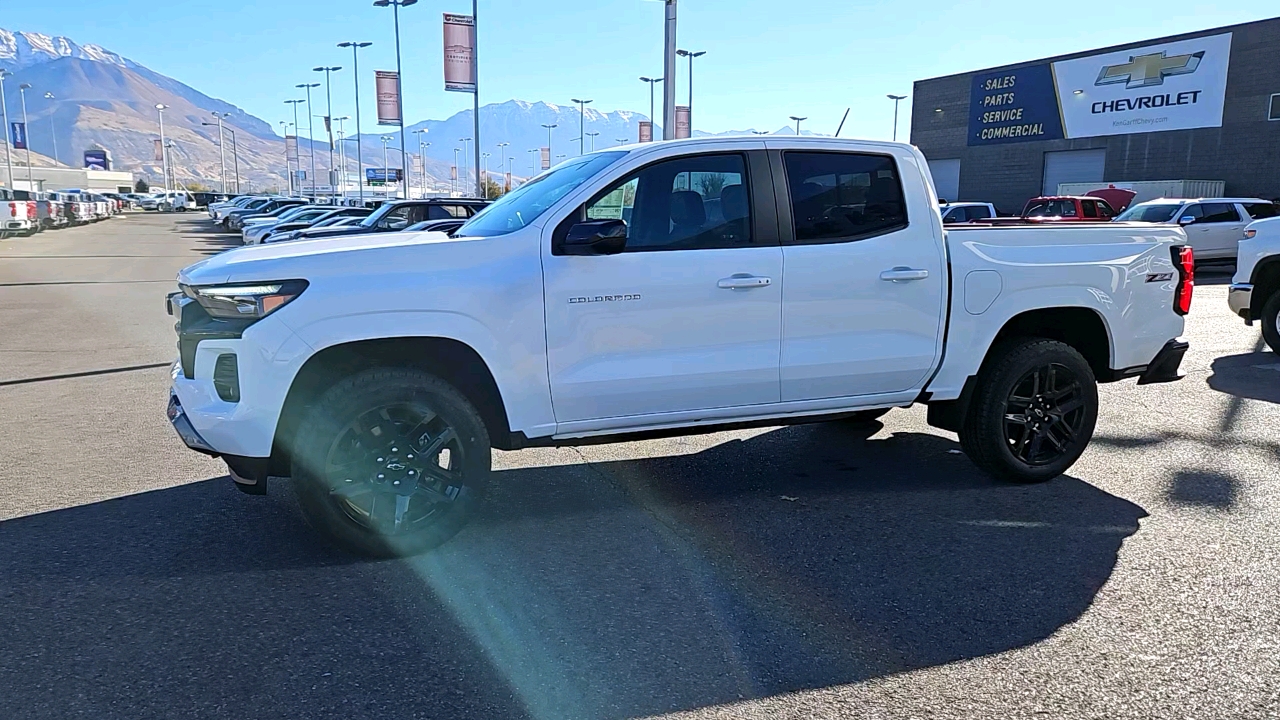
[(1072, 166), (946, 178)]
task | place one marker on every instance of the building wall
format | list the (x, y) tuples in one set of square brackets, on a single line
[(49, 179), (1245, 151)]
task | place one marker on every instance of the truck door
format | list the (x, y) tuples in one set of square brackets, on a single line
[(864, 288), (688, 316)]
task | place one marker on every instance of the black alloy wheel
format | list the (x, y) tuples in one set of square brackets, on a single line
[(1045, 415), (395, 468)]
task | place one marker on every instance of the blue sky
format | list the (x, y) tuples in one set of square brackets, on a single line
[(765, 60)]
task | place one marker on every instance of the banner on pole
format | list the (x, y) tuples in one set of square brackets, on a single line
[(683, 121), (453, 172), (19, 135), (158, 155), (387, 85), (328, 127), (646, 131), (459, 53), (291, 148), (546, 158), (416, 163), (507, 185)]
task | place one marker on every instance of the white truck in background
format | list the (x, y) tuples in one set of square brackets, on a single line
[(748, 281), (1255, 289)]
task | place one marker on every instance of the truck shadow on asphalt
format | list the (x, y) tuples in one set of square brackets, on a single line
[(799, 558), (1254, 376)]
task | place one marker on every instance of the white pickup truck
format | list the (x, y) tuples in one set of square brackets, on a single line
[(660, 288), (1255, 288)]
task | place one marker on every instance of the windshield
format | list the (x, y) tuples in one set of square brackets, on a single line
[(1151, 212), (522, 206)]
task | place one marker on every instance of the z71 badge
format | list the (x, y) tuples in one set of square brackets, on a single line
[(603, 298)]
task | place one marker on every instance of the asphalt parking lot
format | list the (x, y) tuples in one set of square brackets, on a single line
[(816, 571)]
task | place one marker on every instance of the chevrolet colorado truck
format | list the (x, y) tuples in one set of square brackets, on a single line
[(664, 288), (1255, 289)]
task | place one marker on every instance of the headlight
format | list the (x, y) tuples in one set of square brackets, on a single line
[(249, 301)]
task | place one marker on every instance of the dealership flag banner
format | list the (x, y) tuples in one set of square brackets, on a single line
[(387, 85), (546, 158), (682, 121), (459, 53), (159, 152), (19, 135), (1169, 86), (646, 131), (291, 148)]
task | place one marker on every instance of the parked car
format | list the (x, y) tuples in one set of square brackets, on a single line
[(255, 227), (17, 217), (234, 220), (204, 199), (289, 235), (354, 214), (377, 371), (218, 211), (958, 212), (400, 214), (1255, 290), (1214, 226), (49, 211), (1062, 208)]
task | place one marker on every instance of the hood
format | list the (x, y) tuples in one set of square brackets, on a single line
[(302, 259)]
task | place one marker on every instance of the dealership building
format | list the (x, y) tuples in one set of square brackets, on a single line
[(1199, 106)]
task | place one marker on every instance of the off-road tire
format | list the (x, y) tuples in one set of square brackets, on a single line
[(1271, 321), (348, 400), (984, 434)]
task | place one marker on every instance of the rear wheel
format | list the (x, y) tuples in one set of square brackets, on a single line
[(1271, 321), (390, 462), (1033, 411)]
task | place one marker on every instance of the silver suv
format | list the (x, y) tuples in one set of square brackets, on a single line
[(1214, 226)]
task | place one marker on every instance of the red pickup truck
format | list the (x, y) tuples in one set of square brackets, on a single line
[(1068, 208)]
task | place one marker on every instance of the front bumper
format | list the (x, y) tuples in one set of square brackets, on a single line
[(1240, 300), (248, 473)]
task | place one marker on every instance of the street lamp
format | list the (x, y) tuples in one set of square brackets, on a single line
[(222, 159), (484, 184), (355, 64), (532, 169), (328, 113), (22, 93), (582, 124), (395, 6), (621, 141), (4, 120), (386, 176), (288, 165), (311, 132), (53, 132), (690, 54), (453, 190), (422, 154), (342, 153), (798, 119), (652, 82), (549, 128), (164, 168), (235, 159), (593, 137), (466, 169), (296, 129), (896, 99), (503, 147)]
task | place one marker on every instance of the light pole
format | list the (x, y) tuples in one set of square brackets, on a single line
[(422, 154), (582, 124), (621, 141), (169, 145), (328, 113), (466, 169), (222, 157), (386, 176), (311, 132), (4, 117), (798, 119), (896, 99), (593, 137), (453, 181), (355, 65), (549, 128), (22, 94), (296, 129), (342, 152), (404, 159), (652, 82), (484, 184), (235, 159), (503, 147), (531, 152), (164, 168), (288, 165), (669, 73), (691, 54), (53, 131)]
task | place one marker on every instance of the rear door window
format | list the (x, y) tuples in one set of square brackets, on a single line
[(979, 212), (1219, 213), (1090, 208), (1257, 211), (841, 197)]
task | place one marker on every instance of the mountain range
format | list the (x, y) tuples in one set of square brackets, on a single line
[(104, 100)]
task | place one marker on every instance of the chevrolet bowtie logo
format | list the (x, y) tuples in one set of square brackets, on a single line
[(1147, 70)]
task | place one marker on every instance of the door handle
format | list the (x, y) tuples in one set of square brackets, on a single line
[(744, 282), (904, 274)]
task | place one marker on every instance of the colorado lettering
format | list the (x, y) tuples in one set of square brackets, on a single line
[(1146, 102), (1011, 131)]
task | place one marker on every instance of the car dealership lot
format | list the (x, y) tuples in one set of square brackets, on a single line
[(819, 570)]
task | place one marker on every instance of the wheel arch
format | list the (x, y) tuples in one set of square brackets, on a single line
[(453, 361), (1082, 328), (1266, 282)]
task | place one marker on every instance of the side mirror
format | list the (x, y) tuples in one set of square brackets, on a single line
[(596, 237), (1186, 220)]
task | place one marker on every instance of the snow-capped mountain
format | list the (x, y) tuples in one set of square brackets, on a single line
[(23, 49)]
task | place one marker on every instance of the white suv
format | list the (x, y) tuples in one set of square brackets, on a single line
[(1214, 226)]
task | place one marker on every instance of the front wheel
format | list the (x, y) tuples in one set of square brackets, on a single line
[(1271, 321), (390, 462), (1032, 412)]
